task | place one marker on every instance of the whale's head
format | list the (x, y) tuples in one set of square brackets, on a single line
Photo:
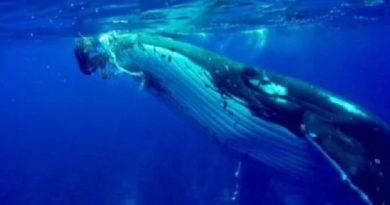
[(147, 57)]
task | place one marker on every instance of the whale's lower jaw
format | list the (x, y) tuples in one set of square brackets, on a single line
[(190, 88)]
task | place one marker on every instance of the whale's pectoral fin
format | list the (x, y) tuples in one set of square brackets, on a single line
[(344, 149), (351, 155)]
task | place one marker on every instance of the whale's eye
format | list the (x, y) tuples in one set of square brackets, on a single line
[(249, 72), (252, 78)]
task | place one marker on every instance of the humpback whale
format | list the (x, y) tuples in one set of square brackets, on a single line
[(281, 122)]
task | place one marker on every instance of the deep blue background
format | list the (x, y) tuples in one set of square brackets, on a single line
[(66, 138), (71, 139)]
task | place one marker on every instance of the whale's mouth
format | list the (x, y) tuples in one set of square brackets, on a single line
[(88, 56), (93, 56)]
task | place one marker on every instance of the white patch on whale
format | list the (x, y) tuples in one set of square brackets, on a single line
[(346, 106)]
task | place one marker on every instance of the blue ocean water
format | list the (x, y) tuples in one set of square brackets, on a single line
[(66, 138)]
